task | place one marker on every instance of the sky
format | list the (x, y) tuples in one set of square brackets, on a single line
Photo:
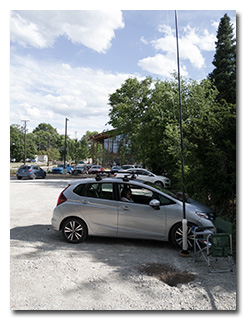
[(66, 63)]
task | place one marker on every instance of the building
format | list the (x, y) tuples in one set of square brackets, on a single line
[(41, 158), (116, 146)]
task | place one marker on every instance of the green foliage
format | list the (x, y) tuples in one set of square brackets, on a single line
[(45, 140), (16, 142), (224, 74), (209, 130)]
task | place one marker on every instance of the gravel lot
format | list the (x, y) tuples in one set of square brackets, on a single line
[(101, 273)]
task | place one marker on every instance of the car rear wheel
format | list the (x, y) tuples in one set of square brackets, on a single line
[(74, 230), (177, 235)]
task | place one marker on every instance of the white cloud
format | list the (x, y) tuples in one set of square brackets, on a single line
[(163, 65), (94, 29), (192, 43), (49, 92), (144, 41)]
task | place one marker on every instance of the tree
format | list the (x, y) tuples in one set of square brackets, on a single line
[(128, 104), (16, 142), (224, 74), (48, 141), (209, 129)]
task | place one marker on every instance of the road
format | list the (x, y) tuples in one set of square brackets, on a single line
[(47, 273)]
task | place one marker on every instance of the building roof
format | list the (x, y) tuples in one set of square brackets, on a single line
[(100, 137)]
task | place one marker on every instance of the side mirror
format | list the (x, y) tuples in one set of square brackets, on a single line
[(155, 204)]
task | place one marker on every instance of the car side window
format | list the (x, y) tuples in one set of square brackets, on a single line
[(100, 191), (106, 191), (143, 173), (139, 194), (143, 195), (163, 200)]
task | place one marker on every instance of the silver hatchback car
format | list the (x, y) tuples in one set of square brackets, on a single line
[(124, 208)]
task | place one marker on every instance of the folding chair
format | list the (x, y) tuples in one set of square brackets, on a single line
[(221, 245), (214, 243), (200, 241)]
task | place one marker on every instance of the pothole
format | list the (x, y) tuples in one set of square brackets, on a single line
[(167, 274)]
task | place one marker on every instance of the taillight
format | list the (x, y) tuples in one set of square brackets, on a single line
[(114, 175), (30, 170), (61, 197)]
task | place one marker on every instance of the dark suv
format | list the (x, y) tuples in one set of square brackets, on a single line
[(30, 172)]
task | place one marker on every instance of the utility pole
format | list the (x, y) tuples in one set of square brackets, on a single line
[(25, 121), (65, 149)]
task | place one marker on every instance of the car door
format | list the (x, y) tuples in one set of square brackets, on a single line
[(138, 219), (99, 208)]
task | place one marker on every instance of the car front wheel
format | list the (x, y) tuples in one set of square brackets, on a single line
[(74, 230), (159, 184), (177, 235)]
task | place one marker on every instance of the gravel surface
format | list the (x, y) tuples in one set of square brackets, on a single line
[(101, 273)]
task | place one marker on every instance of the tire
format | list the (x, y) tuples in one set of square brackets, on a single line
[(176, 235), (159, 184), (19, 178), (74, 230)]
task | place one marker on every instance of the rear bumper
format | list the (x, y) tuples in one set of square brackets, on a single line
[(56, 219), (23, 175)]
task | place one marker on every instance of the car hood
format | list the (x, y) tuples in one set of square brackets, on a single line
[(199, 206), (161, 177)]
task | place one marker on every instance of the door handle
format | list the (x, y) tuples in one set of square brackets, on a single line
[(85, 201), (126, 208)]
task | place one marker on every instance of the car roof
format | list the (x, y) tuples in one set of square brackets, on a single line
[(114, 180)]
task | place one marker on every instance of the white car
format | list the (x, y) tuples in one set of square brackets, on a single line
[(97, 207), (145, 175)]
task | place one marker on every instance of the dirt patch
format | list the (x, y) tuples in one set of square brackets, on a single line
[(167, 274)]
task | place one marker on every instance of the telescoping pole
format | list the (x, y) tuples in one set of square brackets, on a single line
[(184, 221)]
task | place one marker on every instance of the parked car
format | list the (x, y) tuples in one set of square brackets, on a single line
[(144, 175), (59, 168), (80, 169), (96, 169), (96, 207), (115, 169), (127, 166), (30, 172)]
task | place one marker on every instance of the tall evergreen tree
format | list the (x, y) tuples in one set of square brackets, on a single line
[(224, 74)]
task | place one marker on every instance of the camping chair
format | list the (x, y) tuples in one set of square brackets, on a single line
[(221, 245), (214, 243)]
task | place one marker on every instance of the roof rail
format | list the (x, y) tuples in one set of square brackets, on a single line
[(126, 178), (98, 177)]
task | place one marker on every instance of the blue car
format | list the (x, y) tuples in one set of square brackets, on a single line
[(59, 168), (30, 172)]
